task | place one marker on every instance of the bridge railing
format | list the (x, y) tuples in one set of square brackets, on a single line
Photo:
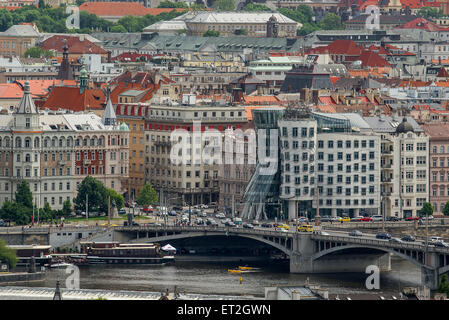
[(203, 229), (379, 243)]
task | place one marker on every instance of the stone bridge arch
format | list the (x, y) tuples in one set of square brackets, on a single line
[(323, 253), (161, 238)]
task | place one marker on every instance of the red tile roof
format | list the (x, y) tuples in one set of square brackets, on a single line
[(421, 23), (372, 59), (10, 91), (260, 100), (120, 9), (346, 47), (442, 73), (70, 98), (39, 88), (131, 56), (75, 45)]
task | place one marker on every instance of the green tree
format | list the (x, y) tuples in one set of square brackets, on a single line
[(240, 32), (38, 52), (147, 196), (444, 285), (430, 13), (427, 209), (446, 209), (96, 193), (8, 255), (169, 4), (256, 7), (118, 29), (331, 22), (24, 195), (116, 199), (224, 5), (211, 33), (67, 208)]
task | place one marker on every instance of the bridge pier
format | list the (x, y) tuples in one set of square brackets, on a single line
[(430, 278)]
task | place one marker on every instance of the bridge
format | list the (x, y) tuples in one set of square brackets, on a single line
[(312, 252)]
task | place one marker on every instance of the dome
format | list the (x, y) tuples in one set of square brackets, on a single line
[(404, 127), (124, 127), (83, 72), (273, 18)]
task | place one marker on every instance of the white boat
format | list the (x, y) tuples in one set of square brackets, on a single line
[(60, 265)]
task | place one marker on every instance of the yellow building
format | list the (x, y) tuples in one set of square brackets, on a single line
[(18, 39)]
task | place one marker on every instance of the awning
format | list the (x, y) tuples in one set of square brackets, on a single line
[(168, 248)]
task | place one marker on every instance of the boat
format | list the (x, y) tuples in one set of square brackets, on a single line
[(235, 271), (61, 265), (25, 253), (248, 268), (125, 253)]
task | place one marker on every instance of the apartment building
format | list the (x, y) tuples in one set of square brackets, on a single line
[(438, 165), (404, 163), (196, 180), (18, 39), (45, 149), (338, 154)]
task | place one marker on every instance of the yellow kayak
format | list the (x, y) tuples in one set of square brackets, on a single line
[(245, 268), (235, 271)]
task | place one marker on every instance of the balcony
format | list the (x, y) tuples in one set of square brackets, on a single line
[(386, 166), (386, 194), (163, 143), (385, 179)]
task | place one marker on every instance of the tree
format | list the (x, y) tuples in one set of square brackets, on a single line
[(66, 208), (225, 5), (24, 195), (147, 196), (37, 52), (444, 285), (427, 209), (118, 29), (8, 255), (116, 199), (331, 22), (446, 209), (169, 4), (256, 7), (211, 33), (430, 13), (239, 32), (96, 192)]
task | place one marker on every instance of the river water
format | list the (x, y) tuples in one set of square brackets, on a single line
[(213, 278)]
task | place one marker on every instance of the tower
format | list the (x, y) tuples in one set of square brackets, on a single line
[(65, 70), (272, 27), (84, 79), (109, 118)]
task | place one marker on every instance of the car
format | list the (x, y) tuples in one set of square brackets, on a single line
[(408, 238), (282, 230), (441, 244), (335, 219), (325, 219), (283, 226), (377, 218), (267, 225), (305, 228), (122, 211), (248, 226), (383, 235), (395, 240), (344, 219), (135, 224), (255, 223), (177, 208), (220, 215), (148, 209), (202, 214), (393, 218), (302, 219), (434, 239), (355, 233), (204, 206), (172, 213), (324, 233), (199, 221), (229, 224), (80, 225), (366, 219), (356, 219), (412, 218), (430, 218)]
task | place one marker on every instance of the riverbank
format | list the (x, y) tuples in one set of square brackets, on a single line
[(11, 278)]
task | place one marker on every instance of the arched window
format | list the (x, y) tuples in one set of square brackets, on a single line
[(61, 142), (36, 142), (53, 142), (27, 158), (7, 142), (27, 143), (18, 142)]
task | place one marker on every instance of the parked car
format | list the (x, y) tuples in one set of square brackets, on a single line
[(441, 244), (366, 219), (324, 233), (430, 218), (383, 235), (434, 239), (305, 228), (355, 233), (248, 226), (377, 218), (199, 221), (395, 240), (148, 209), (344, 219), (412, 218), (357, 219), (267, 225), (220, 215), (325, 219), (204, 206), (393, 218), (177, 208), (122, 211), (202, 214), (408, 238), (283, 226), (229, 224), (172, 213)]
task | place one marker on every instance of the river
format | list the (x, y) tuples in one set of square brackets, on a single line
[(213, 278)]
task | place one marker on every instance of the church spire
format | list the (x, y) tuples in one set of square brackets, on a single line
[(27, 104), (109, 118)]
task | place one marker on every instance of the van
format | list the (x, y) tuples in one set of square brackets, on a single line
[(435, 239)]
